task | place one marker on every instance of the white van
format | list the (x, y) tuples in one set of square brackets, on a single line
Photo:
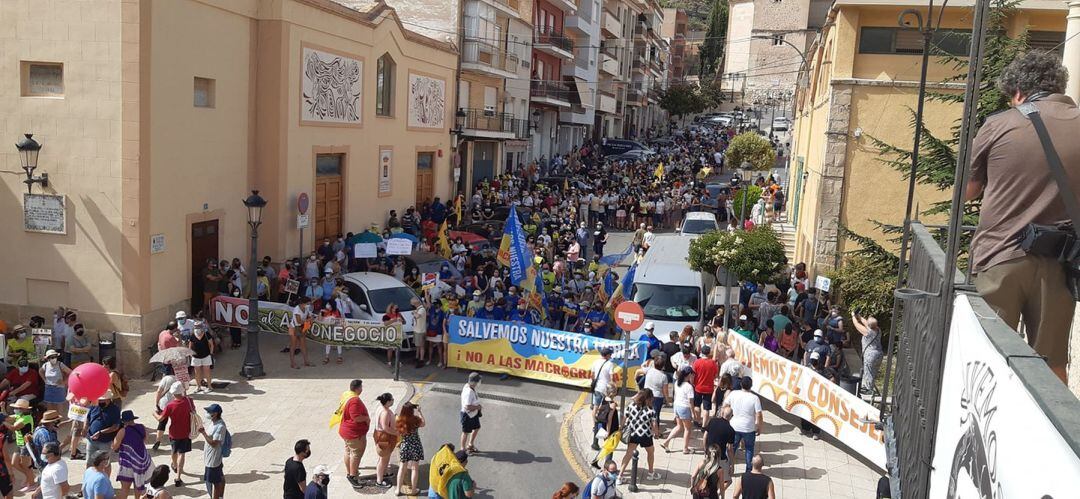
[(671, 294), (371, 293)]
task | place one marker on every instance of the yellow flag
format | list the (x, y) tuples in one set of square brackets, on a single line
[(659, 173), (335, 419), (443, 467), (457, 208), (444, 242)]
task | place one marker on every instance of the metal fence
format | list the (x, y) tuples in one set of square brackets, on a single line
[(919, 358)]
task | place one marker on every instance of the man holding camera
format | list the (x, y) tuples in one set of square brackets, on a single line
[(1016, 249)]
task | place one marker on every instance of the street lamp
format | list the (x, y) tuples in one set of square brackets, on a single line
[(253, 365), (459, 122), (28, 155), (735, 181)]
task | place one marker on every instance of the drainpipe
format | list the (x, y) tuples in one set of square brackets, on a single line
[(457, 100)]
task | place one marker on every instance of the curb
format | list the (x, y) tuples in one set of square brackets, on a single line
[(580, 463)]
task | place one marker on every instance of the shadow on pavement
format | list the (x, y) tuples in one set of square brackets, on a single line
[(518, 457), (251, 476), (776, 446), (811, 473), (251, 439)]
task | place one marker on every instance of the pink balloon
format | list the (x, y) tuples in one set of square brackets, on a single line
[(88, 381)]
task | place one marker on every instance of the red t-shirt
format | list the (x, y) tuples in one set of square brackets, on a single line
[(178, 411), (705, 371), (17, 380), (349, 428), (167, 340)]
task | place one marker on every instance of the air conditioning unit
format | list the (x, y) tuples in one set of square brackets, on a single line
[(489, 110)]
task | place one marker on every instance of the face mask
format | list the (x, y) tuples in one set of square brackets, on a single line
[(54, 361), (44, 457), (23, 369), (103, 404), (489, 308), (79, 333)]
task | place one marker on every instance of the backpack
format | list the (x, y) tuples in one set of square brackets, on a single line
[(587, 492), (226, 444)]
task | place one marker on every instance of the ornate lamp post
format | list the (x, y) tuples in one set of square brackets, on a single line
[(28, 155), (253, 365)]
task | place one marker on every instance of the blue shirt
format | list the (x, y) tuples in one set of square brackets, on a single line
[(313, 491), (96, 483), (654, 343), (435, 320), (99, 419), (597, 316), (42, 436), (490, 315)]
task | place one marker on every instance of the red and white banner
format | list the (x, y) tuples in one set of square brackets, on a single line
[(993, 439), (804, 393)]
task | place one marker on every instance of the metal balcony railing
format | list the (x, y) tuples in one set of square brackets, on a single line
[(479, 52), (553, 37), (480, 119), (551, 89), (520, 128)]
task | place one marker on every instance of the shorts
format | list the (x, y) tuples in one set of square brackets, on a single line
[(436, 339), (93, 447), (597, 398), (203, 362), (469, 424), (419, 339), (181, 445), (55, 394), (354, 447), (645, 442), (162, 424), (213, 475), (703, 400), (684, 412)]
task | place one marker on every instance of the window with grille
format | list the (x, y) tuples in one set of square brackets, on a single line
[(384, 86), (875, 40)]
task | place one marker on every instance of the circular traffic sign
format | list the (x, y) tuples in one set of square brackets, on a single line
[(302, 203), (629, 316)]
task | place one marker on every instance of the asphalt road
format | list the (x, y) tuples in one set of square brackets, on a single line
[(520, 451)]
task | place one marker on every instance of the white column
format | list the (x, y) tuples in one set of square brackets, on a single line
[(1071, 58)]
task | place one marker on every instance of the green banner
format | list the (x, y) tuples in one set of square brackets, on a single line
[(275, 317)]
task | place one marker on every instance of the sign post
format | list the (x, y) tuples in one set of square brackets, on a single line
[(628, 316), (302, 220), (725, 279)]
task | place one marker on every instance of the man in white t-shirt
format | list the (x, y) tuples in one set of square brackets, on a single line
[(718, 158), (601, 370), (746, 417), (470, 414), (54, 477), (732, 366)]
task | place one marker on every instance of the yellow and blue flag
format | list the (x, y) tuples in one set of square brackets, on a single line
[(515, 254)]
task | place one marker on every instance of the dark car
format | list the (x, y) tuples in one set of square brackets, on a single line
[(619, 146), (429, 263), (491, 230)]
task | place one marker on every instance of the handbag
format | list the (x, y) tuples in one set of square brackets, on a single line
[(196, 424), (1055, 241), (385, 440)]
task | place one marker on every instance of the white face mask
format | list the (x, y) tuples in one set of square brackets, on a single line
[(23, 369)]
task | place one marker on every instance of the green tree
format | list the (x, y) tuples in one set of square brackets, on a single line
[(753, 194), (681, 99), (749, 147), (713, 47), (756, 255)]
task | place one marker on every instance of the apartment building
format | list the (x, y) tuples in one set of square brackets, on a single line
[(158, 118), (613, 75), (647, 65), (583, 27), (550, 94), (492, 103), (674, 31)]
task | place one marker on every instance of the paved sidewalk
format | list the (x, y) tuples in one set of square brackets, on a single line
[(268, 415), (801, 468)]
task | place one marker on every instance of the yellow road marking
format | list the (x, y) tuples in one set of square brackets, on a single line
[(564, 440), (417, 395)]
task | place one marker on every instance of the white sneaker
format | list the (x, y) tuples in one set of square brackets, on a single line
[(207, 390), (653, 475)]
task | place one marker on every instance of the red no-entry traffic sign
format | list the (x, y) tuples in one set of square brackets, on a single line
[(629, 315)]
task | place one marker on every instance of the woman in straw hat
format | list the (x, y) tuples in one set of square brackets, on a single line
[(23, 425), (55, 375), (135, 462)]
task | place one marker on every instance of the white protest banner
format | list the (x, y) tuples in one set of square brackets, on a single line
[(398, 246), (993, 439), (802, 392), (77, 412), (823, 283), (365, 250)]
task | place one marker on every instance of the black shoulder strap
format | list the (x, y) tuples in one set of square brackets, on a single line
[(1068, 197)]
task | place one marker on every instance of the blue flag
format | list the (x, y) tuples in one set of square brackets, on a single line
[(628, 282), (515, 254), (614, 259)]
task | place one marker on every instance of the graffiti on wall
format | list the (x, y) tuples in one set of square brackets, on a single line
[(427, 102)]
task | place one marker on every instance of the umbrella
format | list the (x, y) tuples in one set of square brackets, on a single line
[(405, 235), (368, 237), (174, 354)]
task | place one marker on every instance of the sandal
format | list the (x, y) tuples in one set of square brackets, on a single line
[(472, 450), (664, 446), (326, 361), (340, 360)]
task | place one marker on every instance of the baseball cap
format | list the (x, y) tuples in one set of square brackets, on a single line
[(818, 333), (213, 408), (649, 326), (742, 317), (606, 351), (181, 315)]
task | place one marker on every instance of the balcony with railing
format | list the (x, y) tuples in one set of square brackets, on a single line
[(481, 57), (552, 41), (609, 64), (552, 93), (488, 123), (635, 96), (605, 102), (610, 25)]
